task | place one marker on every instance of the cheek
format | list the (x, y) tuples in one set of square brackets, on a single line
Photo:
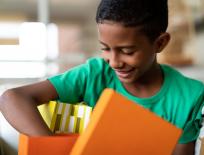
[(135, 60), (145, 57), (138, 60)]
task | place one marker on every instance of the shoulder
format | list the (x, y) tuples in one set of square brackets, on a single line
[(181, 80), (183, 87), (97, 66)]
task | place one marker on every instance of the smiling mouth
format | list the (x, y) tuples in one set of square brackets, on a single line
[(124, 74)]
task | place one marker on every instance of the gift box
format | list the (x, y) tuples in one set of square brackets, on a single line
[(64, 117), (46, 145), (117, 126), (61, 118)]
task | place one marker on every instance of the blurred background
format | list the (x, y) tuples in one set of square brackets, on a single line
[(40, 38)]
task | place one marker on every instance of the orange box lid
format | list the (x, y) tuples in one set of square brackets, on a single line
[(119, 126)]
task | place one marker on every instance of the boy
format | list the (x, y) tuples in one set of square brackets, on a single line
[(131, 33)]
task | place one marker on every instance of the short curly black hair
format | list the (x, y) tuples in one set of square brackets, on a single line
[(151, 15)]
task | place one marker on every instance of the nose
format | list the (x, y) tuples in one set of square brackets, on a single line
[(114, 60)]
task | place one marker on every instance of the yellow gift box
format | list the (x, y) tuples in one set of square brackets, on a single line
[(64, 117)]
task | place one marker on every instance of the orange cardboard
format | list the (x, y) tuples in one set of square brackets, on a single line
[(46, 145), (119, 126)]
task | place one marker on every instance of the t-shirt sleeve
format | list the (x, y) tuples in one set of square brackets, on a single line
[(71, 85), (192, 128)]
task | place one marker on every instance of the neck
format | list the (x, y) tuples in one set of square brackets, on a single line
[(153, 75), (147, 85)]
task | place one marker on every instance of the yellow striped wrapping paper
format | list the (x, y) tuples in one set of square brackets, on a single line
[(66, 118)]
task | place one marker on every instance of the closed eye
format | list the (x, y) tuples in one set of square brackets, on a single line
[(128, 52), (105, 49)]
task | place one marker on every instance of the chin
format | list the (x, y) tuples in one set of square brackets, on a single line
[(126, 81), (130, 80)]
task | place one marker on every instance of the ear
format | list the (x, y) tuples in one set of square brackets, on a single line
[(161, 42)]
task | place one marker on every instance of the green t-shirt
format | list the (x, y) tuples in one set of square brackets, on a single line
[(179, 100)]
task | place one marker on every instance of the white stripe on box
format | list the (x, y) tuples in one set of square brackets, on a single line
[(87, 116), (71, 124), (64, 117), (81, 110), (60, 108)]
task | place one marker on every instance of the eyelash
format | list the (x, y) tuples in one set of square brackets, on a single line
[(105, 49), (128, 53)]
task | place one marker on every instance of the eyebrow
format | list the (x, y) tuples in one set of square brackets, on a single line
[(125, 46)]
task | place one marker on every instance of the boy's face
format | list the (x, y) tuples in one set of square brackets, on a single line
[(127, 50)]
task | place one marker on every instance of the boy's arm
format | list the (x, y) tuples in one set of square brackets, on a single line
[(19, 107), (185, 149)]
